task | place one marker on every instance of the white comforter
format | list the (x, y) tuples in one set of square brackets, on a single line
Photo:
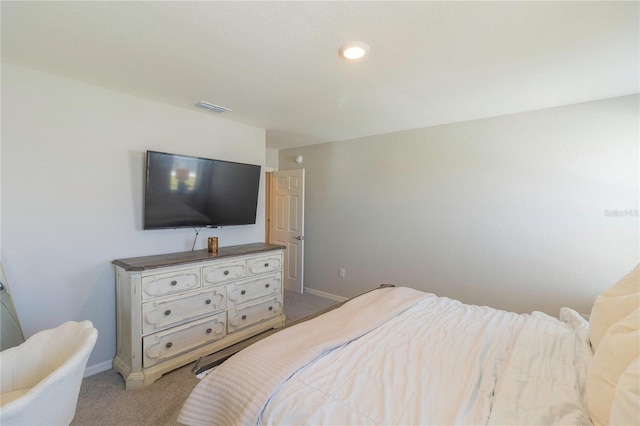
[(428, 360)]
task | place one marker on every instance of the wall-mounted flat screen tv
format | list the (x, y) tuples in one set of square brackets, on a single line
[(183, 191)]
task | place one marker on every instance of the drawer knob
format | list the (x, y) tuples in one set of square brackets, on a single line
[(168, 345), (226, 272), (267, 285), (271, 308), (243, 292), (266, 265), (208, 331), (167, 312), (244, 317), (208, 301), (174, 282)]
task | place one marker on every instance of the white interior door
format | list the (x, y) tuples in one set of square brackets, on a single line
[(287, 224)]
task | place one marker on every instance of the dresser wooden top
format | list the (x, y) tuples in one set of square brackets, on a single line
[(171, 259)]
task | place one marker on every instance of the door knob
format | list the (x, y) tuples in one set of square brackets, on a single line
[(298, 238)]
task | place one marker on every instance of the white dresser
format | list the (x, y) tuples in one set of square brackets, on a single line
[(174, 308)]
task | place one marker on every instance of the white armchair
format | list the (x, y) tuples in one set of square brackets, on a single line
[(41, 378)]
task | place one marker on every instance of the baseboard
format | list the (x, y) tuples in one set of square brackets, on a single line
[(325, 295), (97, 368)]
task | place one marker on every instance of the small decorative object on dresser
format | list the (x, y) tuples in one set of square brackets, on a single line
[(174, 308), (212, 244)]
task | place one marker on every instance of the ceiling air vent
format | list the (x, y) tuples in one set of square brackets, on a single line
[(211, 107)]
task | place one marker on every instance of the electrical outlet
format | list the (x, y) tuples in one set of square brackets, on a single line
[(341, 272)]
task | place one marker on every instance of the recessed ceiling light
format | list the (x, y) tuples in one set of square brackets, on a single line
[(354, 50)]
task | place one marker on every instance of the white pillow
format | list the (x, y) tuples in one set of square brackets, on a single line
[(625, 409), (573, 318), (619, 346), (613, 305)]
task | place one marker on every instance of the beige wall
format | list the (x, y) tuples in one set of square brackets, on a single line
[(72, 179), (271, 160), (510, 212)]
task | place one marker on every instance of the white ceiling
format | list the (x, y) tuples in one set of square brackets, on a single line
[(276, 64)]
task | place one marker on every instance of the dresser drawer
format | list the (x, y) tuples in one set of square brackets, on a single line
[(171, 282), (159, 314), (264, 264), (250, 313), (167, 344), (252, 289), (223, 272)]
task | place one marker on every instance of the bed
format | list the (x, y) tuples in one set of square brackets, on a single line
[(398, 356)]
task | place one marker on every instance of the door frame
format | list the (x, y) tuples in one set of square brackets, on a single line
[(300, 237)]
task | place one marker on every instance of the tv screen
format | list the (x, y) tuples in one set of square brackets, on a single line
[(183, 191)]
